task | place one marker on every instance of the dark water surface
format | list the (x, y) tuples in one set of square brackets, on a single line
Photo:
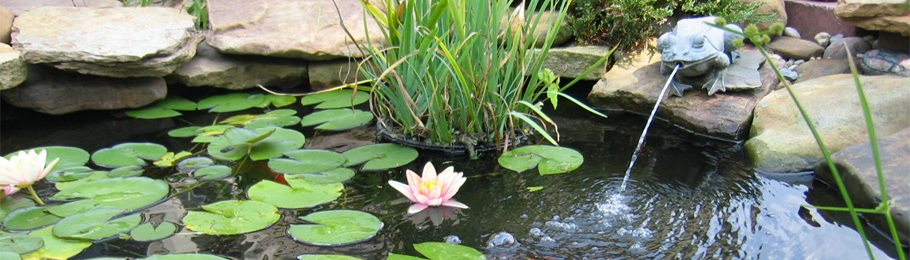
[(689, 197)]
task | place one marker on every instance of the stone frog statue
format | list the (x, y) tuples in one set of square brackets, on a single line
[(699, 49)]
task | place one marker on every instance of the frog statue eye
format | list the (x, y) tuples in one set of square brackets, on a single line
[(698, 42)]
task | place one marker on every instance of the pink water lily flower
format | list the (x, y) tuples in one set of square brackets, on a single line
[(23, 170), (431, 189)]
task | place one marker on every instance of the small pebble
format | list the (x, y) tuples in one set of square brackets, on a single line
[(823, 39), (792, 32)]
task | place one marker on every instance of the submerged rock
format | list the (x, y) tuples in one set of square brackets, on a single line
[(780, 140), (857, 169), (13, 69), (212, 68)]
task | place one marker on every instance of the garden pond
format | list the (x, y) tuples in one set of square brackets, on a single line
[(689, 197)]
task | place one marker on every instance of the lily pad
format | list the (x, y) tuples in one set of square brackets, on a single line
[(164, 108), (194, 163), (9, 255), (336, 99), (380, 156), (336, 228), (185, 131), (393, 256), (336, 175), (307, 161), (69, 174), (230, 102), (210, 133), (280, 117), (547, 159), (13, 203), (69, 156), (126, 193), (20, 243), (94, 175), (300, 193), (212, 172), (441, 250), (232, 217), (277, 101), (147, 232), (184, 257), (126, 171), (337, 119), (55, 247), (96, 224), (170, 158), (327, 257), (128, 154), (235, 146), (29, 218)]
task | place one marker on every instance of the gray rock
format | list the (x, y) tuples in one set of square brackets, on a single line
[(880, 62), (307, 29), (6, 24), (13, 69), (329, 74), (21, 6), (571, 62), (780, 140), (822, 67), (636, 84), (52, 91), (795, 48), (791, 32), (743, 74), (837, 50), (857, 169), (789, 74), (212, 68)]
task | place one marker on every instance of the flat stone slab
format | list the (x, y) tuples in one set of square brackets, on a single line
[(857, 169), (212, 68), (114, 42), (308, 29), (634, 86), (21, 6), (13, 69), (571, 62)]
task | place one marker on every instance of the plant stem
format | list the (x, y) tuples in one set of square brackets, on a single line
[(35, 195)]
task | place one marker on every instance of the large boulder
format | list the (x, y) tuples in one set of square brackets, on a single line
[(634, 86), (213, 68), (308, 29), (113, 42), (13, 69), (876, 15), (53, 91), (857, 169), (780, 140), (21, 6)]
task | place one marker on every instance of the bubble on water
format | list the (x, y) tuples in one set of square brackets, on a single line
[(536, 232), (502, 240), (642, 232), (453, 239), (637, 248), (547, 239), (563, 226)]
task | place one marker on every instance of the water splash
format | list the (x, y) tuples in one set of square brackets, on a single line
[(641, 140)]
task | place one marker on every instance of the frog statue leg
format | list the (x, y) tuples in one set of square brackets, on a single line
[(676, 88), (721, 62)]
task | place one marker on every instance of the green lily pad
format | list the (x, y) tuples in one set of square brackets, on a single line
[(10, 255), (337, 119), (55, 247), (393, 256), (230, 102), (212, 172), (128, 154), (280, 117), (277, 101), (547, 159), (336, 175), (336, 99), (235, 146), (327, 257), (29, 218), (300, 193), (20, 243), (96, 224), (69, 156), (336, 228), (210, 133), (279, 122), (380, 156), (147, 232), (69, 174), (126, 193), (170, 158), (307, 161), (126, 171), (441, 250), (163, 108), (194, 163), (94, 175), (184, 257), (13, 203), (232, 217), (185, 131)]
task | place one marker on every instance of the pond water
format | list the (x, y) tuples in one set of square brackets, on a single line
[(689, 197)]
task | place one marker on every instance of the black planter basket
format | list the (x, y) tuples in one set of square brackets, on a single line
[(451, 149)]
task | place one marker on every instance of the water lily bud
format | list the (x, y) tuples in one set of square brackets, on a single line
[(751, 30), (777, 29), (720, 21), (738, 43)]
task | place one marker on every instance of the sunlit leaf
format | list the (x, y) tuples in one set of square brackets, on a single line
[(147, 232), (231, 102), (126, 171), (69, 156), (96, 224), (535, 188), (13, 203), (54, 247), (69, 174), (169, 158), (277, 101), (29, 218), (212, 172), (300, 193), (327, 257), (337, 119), (547, 159), (331, 176), (336, 227), (20, 243), (442, 250), (232, 217), (194, 163), (380, 156), (163, 108), (128, 154), (282, 140), (210, 133), (307, 161), (336, 99), (126, 193)]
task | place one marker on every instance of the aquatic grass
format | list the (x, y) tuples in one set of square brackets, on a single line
[(761, 38)]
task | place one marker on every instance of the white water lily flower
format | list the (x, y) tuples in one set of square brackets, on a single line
[(24, 169)]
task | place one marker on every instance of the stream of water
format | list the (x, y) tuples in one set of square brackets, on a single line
[(641, 139)]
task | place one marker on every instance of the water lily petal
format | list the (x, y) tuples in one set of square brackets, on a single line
[(404, 189), (413, 181), (455, 204), (9, 190), (418, 207), (452, 188), (429, 172), (421, 198), (48, 169), (435, 197)]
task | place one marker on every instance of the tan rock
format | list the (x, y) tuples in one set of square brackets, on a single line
[(571, 62), (13, 69), (821, 67), (6, 24), (870, 8), (896, 24), (21, 6), (795, 48), (776, 7)]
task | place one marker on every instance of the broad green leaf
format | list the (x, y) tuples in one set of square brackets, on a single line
[(20, 243), (337, 119), (277, 101), (126, 171), (210, 133), (327, 257), (169, 158), (280, 117), (403, 257), (29, 218), (380, 156), (336, 99), (282, 140), (55, 247), (548, 159), (442, 250), (147, 232), (247, 136), (185, 131), (128, 154), (10, 255), (336, 227), (212, 172), (13, 203), (300, 193), (183, 257), (69, 156), (163, 108), (69, 174), (279, 122), (331, 176), (126, 193), (232, 217), (194, 163), (230, 102), (95, 175), (96, 224), (307, 161)]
